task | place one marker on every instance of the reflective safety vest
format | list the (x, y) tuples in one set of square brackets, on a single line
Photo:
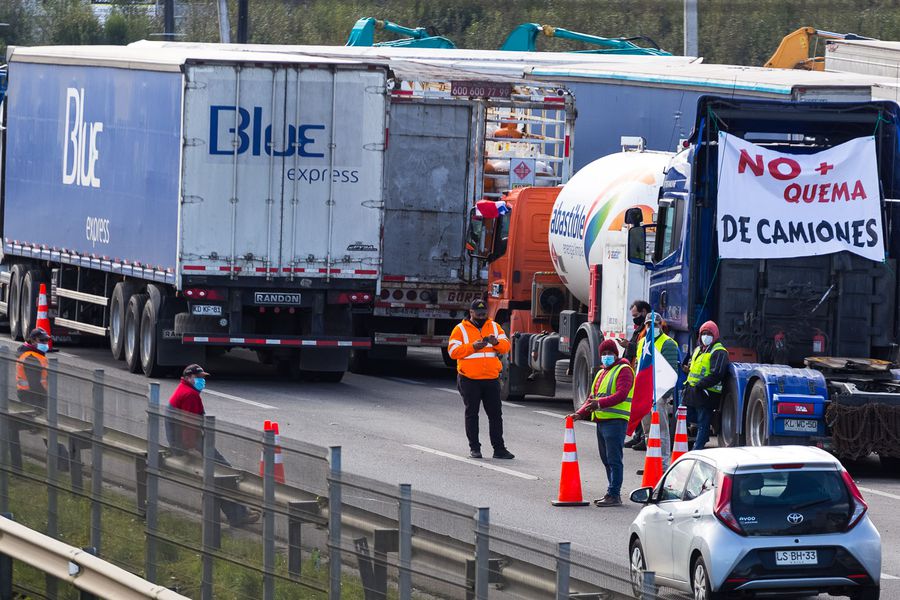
[(22, 378), (700, 362), (477, 364), (605, 385), (660, 342)]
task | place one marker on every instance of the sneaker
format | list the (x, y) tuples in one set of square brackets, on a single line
[(249, 518), (503, 454), (475, 454), (633, 441), (608, 500), (640, 446)]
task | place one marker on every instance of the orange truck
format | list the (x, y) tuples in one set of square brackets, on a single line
[(559, 281)]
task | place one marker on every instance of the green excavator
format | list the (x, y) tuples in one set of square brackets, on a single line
[(363, 34)]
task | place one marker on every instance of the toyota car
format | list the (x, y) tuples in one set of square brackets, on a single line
[(741, 522)]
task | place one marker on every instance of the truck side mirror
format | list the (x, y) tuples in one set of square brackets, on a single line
[(634, 216), (637, 245)]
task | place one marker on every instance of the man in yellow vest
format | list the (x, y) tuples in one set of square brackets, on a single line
[(476, 345), (609, 405), (668, 348), (706, 369), (31, 369)]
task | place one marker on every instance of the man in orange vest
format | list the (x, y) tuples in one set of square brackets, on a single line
[(476, 345), (31, 369)]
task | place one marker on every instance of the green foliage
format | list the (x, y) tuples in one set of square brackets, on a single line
[(68, 22)]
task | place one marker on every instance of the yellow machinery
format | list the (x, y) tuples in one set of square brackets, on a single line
[(800, 49)]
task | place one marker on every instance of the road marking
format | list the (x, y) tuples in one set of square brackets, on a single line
[(401, 380), (448, 390), (239, 399), (879, 493), (66, 354), (886, 576), (547, 413), (513, 404), (472, 461)]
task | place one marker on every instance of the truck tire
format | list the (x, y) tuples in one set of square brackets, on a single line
[(14, 302), (31, 286), (118, 304), (149, 335), (445, 354), (730, 417), (360, 362), (582, 372), (756, 424), (561, 371), (132, 341)]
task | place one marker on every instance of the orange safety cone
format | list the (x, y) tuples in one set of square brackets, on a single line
[(267, 426), (653, 460), (681, 436), (279, 457), (43, 320), (570, 475)]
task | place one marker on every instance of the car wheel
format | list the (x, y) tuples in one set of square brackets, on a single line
[(581, 373), (756, 426), (700, 582), (867, 593), (637, 566)]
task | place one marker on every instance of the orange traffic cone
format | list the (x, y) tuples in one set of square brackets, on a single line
[(570, 475), (653, 460), (681, 437), (279, 457), (43, 320)]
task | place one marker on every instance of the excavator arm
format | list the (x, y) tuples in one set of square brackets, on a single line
[(799, 49), (524, 39), (363, 34)]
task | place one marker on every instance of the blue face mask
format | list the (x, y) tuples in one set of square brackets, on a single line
[(43, 347), (199, 384), (608, 360)]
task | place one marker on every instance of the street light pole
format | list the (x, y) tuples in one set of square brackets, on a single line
[(243, 27), (691, 46)]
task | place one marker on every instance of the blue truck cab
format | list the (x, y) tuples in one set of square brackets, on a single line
[(813, 340)]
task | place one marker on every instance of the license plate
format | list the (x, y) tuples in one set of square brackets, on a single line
[(803, 425), (796, 557), (206, 309)]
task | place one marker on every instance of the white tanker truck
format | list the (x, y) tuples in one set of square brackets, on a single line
[(558, 275)]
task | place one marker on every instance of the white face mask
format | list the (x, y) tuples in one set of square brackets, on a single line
[(657, 330), (706, 340)]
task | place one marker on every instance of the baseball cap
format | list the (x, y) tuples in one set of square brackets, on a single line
[(38, 333), (478, 304), (194, 370)]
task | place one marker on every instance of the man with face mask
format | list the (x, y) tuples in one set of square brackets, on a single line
[(476, 345), (609, 405), (639, 311), (185, 435), (668, 348), (706, 369)]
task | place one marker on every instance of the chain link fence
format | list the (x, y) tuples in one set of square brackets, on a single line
[(218, 510)]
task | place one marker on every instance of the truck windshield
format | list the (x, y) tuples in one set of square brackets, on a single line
[(668, 229)]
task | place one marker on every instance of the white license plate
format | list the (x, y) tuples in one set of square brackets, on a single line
[(804, 425), (796, 557), (206, 309)]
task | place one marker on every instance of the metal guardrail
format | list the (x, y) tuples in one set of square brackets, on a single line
[(113, 432)]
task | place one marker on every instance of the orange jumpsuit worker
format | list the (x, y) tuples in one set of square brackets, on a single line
[(476, 345)]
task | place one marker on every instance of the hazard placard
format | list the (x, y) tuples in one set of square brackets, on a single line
[(521, 172)]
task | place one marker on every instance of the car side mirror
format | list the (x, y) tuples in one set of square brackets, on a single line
[(642, 495)]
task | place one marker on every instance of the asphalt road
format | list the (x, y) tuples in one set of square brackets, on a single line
[(406, 426)]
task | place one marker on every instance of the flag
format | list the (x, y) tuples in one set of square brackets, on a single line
[(490, 209), (652, 369)]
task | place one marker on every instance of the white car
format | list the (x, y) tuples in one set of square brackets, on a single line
[(736, 522)]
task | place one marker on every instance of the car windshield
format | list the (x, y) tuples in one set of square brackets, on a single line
[(790, 502)]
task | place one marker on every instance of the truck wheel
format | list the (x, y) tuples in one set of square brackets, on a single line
[(561, 371), (445, 354), (148, 345), (360, 362), (581, 373), (121, 295), (31, 286), (890, 464), (14, 302), (730, 417), (133, 313), (756, 426)]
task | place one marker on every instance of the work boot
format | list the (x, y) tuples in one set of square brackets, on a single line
[(640, 446), (504, 453), (636, 439), (249, 518), (608, 500), (475, 454)]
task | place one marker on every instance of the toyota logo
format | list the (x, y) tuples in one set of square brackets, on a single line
[(795, 518)]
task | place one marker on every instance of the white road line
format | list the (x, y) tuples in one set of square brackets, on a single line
[(241, 400), (401, 380), (513, 404), (879, 493), (547, 413), (886, 576), (66, 354), (448, 390), (472, 461)]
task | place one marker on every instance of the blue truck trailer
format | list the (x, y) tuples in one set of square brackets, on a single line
[(813, 338), (176, 200)]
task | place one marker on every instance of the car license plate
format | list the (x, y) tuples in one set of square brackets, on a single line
[(804, 425), (796, 557), (206, 309)]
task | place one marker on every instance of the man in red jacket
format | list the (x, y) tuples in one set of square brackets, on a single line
[(184, 435)]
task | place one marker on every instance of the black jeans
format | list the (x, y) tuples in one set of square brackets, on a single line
[(474, 392)]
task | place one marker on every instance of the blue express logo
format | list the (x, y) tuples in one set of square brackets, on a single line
[(304, 139)]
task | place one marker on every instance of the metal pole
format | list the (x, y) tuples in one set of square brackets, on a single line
[(169, 20), (243, 21), (482, 552), (6, 564), (268, 514), (52, 458), (405, 521), (334, 523), (691, 46), (224, 24), (209, 505), (4, 428), (152, 481), (97, 460), (563, 566)]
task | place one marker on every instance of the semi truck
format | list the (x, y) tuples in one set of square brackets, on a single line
[(554, 256), (175, 199), (813, 338)]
